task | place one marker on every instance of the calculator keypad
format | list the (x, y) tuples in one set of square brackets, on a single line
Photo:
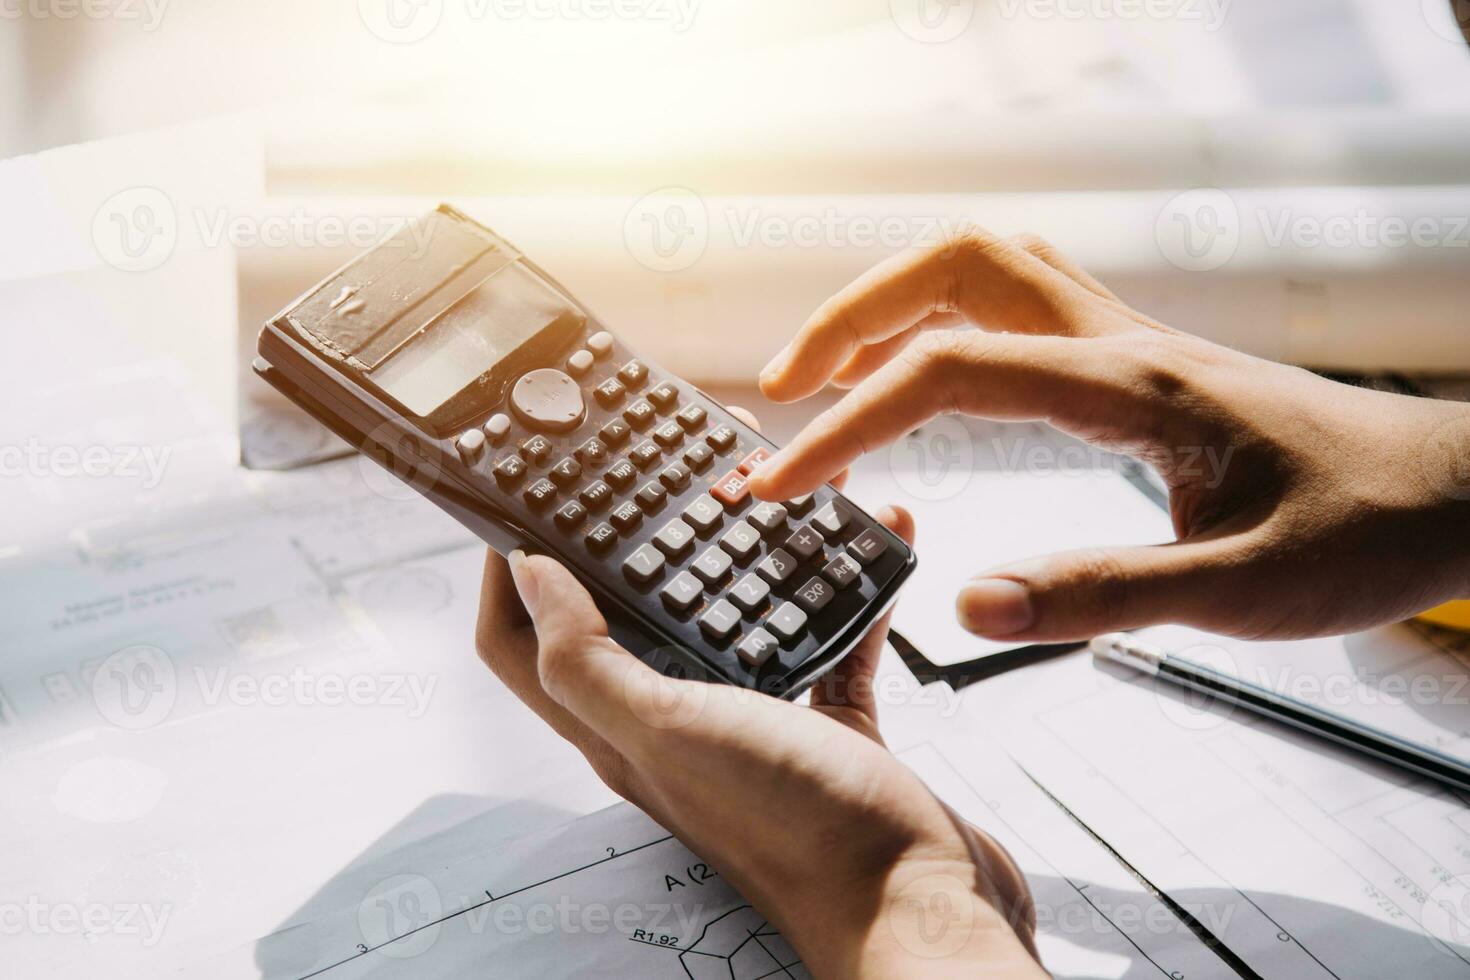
[(764, 584)]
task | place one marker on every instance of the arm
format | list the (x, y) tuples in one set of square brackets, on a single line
[(1302, 507)]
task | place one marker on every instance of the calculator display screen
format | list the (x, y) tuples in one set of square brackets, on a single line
[(477, 337)]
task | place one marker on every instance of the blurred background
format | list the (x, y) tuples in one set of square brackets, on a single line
[(1289, 177)]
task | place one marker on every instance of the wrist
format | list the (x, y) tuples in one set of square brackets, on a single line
[(957, 907), (942, 918)]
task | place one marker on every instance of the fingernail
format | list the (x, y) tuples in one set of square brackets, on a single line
[(995, 607), (524, 578)]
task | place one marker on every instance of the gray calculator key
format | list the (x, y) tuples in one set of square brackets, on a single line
[(704, 513), (787, 622), (682, 592), (757, 647), (868, 545), (674, 537), (769, 517), (799, 505), (831, 517), (644, 564), (712, 565), (804, 542), (720, 620), (815, 594), (741, 540), (843, 570), (750, 593), (777, 567)]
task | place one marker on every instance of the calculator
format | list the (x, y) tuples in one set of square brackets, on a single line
[(448, 357)]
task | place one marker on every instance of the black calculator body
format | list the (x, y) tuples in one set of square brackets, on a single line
[(455, 362)]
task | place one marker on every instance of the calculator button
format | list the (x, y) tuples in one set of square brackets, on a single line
[(652, 496), (831, 518), (567, 472), (730, 489), (592, 452), (698, 456), (633, 374), (750, 593), (815, 594), (757, 648), (579, 363), (536, 449), (712, 565), (804, 542), (548, 400), (691, 417), (741, 540), (868, 545), (675, 476), (843, 570), (570, 515), (767, 516), (601, 537), (799, 505), (703, 513), (669, 434), (627, 516), (750, 462), (644, 565), (664, 396), (674, 537), (682, 592), (497, 427), (615, 433), (621, 475), (509, 471), (720, 620), (786, 622), (595, 495), (610, 392), (470, 444), (600, 343), (777, 567), (639, 414), (720, 438), (645, 455), (539, 494)]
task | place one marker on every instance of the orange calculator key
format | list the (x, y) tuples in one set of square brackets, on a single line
[(749, 463), (730, 489)]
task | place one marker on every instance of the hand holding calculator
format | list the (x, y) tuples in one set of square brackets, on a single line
[(448, 357)]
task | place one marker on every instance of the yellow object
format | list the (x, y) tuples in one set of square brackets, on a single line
[(1455, 615)]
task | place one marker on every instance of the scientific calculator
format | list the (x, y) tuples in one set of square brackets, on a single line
[(448, 357)]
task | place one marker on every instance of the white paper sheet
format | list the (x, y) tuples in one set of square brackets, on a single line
[(1310, 860), (613, 895)]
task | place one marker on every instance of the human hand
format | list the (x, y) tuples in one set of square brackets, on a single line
[(802, 808), (1302, 507)]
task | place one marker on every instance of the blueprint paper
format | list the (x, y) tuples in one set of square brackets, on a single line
[(1313, 861)]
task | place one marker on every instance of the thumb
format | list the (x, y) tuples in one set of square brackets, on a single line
[(614, 693), (1080, 594)]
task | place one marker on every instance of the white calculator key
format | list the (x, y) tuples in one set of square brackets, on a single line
[(741, 540), (757, 647), (579, 363), (704, 513), (600, 343), (750, 593), (470, 443), (674, 537)]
